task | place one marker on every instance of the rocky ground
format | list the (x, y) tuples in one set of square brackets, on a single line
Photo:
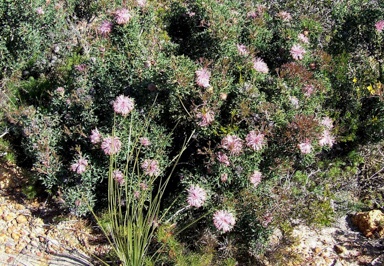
[(34, 232)]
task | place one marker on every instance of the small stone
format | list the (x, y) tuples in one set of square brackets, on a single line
[(8, 250), (39, 254), (21, 219), (19, 207), (3, 238), (10, 259), (42, 239), (340, 249), (34, 243), (15, 236), (317, 250), (8, 217)]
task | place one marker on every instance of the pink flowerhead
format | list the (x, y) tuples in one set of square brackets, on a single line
[(232, 143), (252, 14), (95, 136), (284, 16), (297, 52), (305, 147), (60, 90), (327, 122), (111, 145), (242, 49), (106, 28), (224, 177), (123, 105), (118, 176), (260, 66), (224, 220), (141, 3), (380, 26), (326, 139), (39, 11), (308, 90), (223, 158), (202, 77), (255, 178), (145, 142), (255, 141), (303, 38), (294, 102), (137, 194), (79, 166), (151, 167), (207, 117), (197, 196), (122, 16), (143, 186)]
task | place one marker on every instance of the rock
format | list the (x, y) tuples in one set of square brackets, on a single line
[(21, 219), (8, 217), (317, 250), (19, 207), (15, 236), (340, 249), (10, 259), (370, 223)]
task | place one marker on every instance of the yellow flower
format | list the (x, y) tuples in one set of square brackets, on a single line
[(374, 119), (354, 80)]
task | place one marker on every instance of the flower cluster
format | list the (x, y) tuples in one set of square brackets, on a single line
[(111, 145), (144, 141), (255, 141), (39, 11), (224, 220), (196, 196), (232, 143), (255, 178), (303, 38), (305, 147), (223, 158), (122, 16), (105, 28), (95, 136), (326, 139), (308, 90), (123, 105), (242, 49), (327, 122), (380, 26), (79, 166), (202, 77), (118, 176), (151, 167), (260, 66), (297, 52), (207, 117), (284, 16)]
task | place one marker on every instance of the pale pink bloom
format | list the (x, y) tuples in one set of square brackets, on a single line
[(223, 158), (143, 186), (111, 145), (303, 38), (95, 136), (137, 194), (294, 102), (151, 167), (255, 141), (207, 117), (285, 16), (39, 11), (260, 66), (196, 196), (297, 52), (191, 14), (224, 220), (141, 3), (224, 177), (145, 142), (242, 49), (123, 105), (202, 77), (81, 67), (326, 139), (122, 16), (305, 147), (118, 176), (380, 26), (252, 14), (260, 8), (232, 143), (308, 90), (255, 178), (60, 90), (267, 219), (327, 122), (79, 166), (105, 28)]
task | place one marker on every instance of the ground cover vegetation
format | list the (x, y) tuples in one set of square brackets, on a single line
[(282, 104)]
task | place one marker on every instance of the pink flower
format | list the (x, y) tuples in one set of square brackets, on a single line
[(141, 3), (294, 102), (202, 77), (224, 177), (145, 142), (122, 16), (207, 116), (303, 38), (305, 147), (232, 143), (255, 141), (260, 66), (297, 52), (223, 158), (39, 11), (137, 194), (285, 16), (197, 196), (95, 136), (105, 28), (224, 220), (326, 139), (123, 105), (327, 122), (111, 145), (60, 90), (380, 26), (79, 166), (308, 90), (144, 186), (242, 49), (151, 167), (255, 178), (118, 176), (252, 14), (267, 219)]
